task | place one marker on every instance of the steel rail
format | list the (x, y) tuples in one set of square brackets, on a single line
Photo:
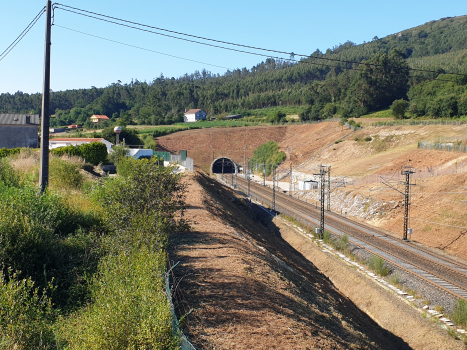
[(378, 239)]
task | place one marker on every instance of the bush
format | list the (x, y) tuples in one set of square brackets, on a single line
[(8, 175), (130, 309), (398, 108), (377, 265), (460, 313), (368, 139), (5, 152), (94, 152), (268, 153), (143, 200), (65, 175), (26, 314)]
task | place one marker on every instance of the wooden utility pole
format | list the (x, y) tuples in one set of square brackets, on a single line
[(45, 120)]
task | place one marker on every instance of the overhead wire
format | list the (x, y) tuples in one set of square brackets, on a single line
[(292, 54), (22, 35), (138, 47), (56, 6)]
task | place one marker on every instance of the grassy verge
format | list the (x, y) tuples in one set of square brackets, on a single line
[(83, 264)]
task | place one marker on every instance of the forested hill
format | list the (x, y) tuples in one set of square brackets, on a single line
[(323, 82)]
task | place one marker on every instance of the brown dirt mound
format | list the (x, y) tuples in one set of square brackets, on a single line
[(298, 141)]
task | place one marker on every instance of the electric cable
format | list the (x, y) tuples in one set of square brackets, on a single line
[(292, 54), (22, 35), (196, 42), (437, 223), (141, 48)]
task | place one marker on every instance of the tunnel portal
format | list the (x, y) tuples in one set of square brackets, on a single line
[(227, 165)]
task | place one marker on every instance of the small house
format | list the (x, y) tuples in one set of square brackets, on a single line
[(97, 119), (194, 115)]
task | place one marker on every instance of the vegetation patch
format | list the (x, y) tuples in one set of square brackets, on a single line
[(87, 270), (268, 155), (377, 265)]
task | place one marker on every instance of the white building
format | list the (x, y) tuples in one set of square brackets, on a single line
[(63, 142), (193, 115)]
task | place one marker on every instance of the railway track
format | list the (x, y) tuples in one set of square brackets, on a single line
[(442, 272)]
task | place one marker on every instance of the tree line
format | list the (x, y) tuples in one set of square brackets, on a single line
[(334, 82)]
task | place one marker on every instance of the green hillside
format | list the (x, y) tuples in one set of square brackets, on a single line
[(323, 82)]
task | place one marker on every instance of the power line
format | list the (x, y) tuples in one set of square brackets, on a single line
[(137, 47), (189, 40), (113, 19), (22, 35), (437, 223)]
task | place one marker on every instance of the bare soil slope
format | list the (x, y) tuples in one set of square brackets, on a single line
[(298, 141), (437, 209), (241, 297), (250, 284)]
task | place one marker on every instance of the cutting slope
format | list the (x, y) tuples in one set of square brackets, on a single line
[(437, 209)]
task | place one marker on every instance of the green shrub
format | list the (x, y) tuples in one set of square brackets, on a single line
[(459, 315), (267, 153), (130, 309), (94, 152), (342, 243), (8, 176), (26, 314), (64, 174), (327, 237), (368, 139), (143, 200), (5, 152), (377, 265)]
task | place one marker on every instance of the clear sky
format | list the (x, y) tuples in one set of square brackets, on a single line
[(300, 26)]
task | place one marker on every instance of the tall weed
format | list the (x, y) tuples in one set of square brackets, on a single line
[(130, 309), (377, 265), (26, 314), (459, 315)]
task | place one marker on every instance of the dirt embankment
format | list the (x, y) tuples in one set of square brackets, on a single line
[(245, 282), (297, 141), (437, 205)]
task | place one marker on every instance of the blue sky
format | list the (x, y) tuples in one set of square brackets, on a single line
[(300, 26)]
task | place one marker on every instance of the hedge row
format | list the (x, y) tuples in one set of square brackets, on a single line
[(94, 152), (5, 152)]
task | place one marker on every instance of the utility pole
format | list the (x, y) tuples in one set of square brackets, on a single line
[(264, 174), (274, 188), (321, 174), (223, 169), (45, 120), (290, 185), (236, 174), (244, 159), (407, 171), (329, 189), (248, 174)]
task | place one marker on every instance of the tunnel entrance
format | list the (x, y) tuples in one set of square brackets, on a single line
[(225, 164)]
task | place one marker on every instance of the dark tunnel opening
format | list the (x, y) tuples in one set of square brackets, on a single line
[(223, 165)]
